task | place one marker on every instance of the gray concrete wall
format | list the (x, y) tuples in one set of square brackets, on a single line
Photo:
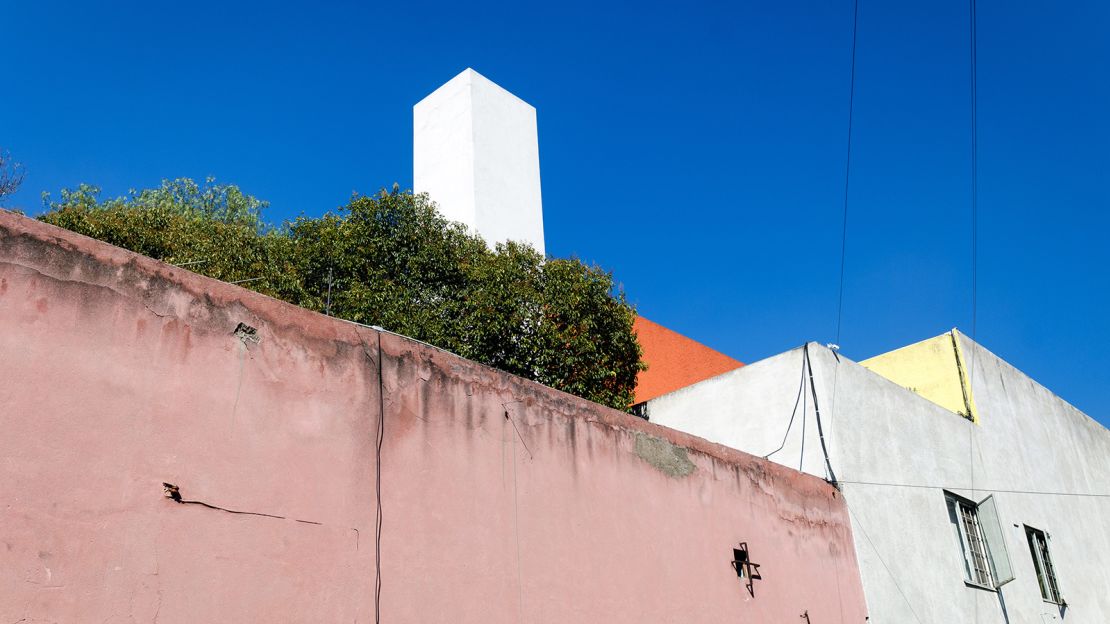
[(895, 453)]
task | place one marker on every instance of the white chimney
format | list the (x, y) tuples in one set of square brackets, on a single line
[(476, 154)]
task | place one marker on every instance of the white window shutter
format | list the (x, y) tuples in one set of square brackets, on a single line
[(996, 543)]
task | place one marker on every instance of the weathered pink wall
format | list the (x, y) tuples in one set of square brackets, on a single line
[(503, 501)]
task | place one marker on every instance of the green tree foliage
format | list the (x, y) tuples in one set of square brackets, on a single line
[(389, 260), (213, 229)]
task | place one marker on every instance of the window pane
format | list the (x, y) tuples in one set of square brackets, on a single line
[(1042, 561), (975, 546), (1035, 553), (1049, 571), (953, 517)]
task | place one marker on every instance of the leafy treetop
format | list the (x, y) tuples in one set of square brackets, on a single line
[(389, 260)]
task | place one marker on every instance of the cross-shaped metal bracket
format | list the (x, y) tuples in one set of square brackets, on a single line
[(744, 567)]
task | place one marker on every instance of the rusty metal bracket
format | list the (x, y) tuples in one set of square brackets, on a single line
[(745, 569)]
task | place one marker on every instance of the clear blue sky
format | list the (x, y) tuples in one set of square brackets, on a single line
[(695, 151)]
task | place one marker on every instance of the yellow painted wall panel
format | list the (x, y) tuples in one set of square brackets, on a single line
[(932, 368)]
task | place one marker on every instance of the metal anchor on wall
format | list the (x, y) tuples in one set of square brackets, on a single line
[(745, 569)]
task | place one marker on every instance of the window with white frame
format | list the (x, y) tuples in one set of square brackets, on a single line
[(978, 535), (1042, 561)]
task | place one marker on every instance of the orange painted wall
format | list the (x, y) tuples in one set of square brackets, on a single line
[(674, 361)]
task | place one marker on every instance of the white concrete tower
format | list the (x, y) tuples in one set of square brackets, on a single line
[(476, 154)]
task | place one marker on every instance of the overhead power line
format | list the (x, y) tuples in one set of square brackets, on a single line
[(974, 62), (847, 171), (875, 549), (978, 489)]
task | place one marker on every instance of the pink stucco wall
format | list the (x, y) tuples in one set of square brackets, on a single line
[(502, 500)]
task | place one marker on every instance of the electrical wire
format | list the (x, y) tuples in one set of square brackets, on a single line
[(817, 415), (802, 451), (974, 61), (807, 370), (979, 489), (844, 220), (847, 171), (378, 489), (875, 550), (797, 399)]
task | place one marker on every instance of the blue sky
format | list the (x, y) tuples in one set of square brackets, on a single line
[(697, 151)]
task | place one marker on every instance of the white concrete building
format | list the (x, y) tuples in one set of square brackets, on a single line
[(993, 510), (476, 154)]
